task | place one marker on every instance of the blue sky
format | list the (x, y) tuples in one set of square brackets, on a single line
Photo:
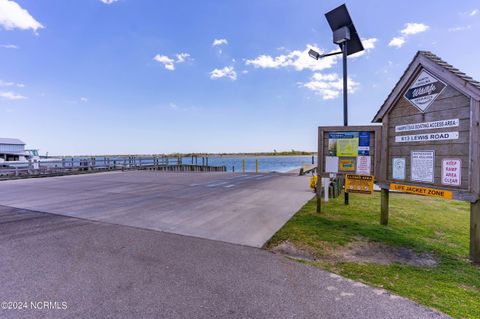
[(151, 76)]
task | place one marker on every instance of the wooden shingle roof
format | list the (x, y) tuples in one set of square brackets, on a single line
[(440, 68)]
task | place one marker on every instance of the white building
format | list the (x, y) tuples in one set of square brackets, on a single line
[(12, 149)]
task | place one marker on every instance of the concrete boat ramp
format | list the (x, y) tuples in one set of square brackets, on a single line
[(241, 209), (68, 241)]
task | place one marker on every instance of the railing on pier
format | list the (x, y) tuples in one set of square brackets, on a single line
[(76, 165)]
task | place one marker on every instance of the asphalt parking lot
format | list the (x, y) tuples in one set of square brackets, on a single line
[(235, 208), (100, 270)]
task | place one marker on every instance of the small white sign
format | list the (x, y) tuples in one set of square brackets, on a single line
[(398, 168), (452, 172), (363, 165), (427, 125), (424, 90), (331, 164), (422, 166), (442, 136)]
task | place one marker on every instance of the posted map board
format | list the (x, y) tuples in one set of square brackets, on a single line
[(349, 151), (347, 147)]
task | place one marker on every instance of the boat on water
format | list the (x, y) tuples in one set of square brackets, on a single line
[(14, 154)]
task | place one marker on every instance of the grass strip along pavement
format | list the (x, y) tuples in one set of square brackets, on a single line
[(425, 226)]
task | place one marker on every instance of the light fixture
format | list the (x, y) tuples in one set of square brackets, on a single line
[(345, 35)]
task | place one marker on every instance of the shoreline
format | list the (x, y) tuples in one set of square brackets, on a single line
[(190, 155)]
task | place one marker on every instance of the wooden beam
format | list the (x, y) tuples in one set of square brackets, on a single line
[(474, 164), (319, 170), (475, 232), (384, 194)]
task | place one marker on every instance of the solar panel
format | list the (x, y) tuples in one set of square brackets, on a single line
[(339, 18)]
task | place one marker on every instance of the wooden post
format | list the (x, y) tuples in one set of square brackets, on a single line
[(384, 193), (243, 166), (256, 166), (346, 195), (475, 232), (319, 194)]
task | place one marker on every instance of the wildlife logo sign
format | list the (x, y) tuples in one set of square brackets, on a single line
[(424, 90)]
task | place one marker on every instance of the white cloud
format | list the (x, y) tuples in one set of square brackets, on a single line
[(83, 99), (108, 1), (12, 16), (219, 42), (414, 28), (169, 63), (180, 108), (4, 83), (9, 46), (266, 61), (299, 60), (329, 86), (458, 29), (397, 42), (368, 45), (12, 96), (409, 30), (182, 57), (227, 71), (473, 12), (166, 61)]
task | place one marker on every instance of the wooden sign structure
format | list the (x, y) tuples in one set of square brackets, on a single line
[(347, 150), (431, 142)]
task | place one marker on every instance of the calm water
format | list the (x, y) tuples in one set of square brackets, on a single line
[(265, 163)]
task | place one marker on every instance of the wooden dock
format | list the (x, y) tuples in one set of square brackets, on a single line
[(85, 165), (308, 169)]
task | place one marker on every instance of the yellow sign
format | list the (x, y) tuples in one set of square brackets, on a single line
[(347, 147), (421, 191), (346, 165), (362, 184)]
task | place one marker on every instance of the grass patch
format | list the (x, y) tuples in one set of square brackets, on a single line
[(424, 224)]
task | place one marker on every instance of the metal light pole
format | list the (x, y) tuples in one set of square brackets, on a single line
[(345, 100), (345, 35)]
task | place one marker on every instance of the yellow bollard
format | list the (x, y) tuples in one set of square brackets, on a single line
[(256, 166), (314, 182), (243, 166)]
